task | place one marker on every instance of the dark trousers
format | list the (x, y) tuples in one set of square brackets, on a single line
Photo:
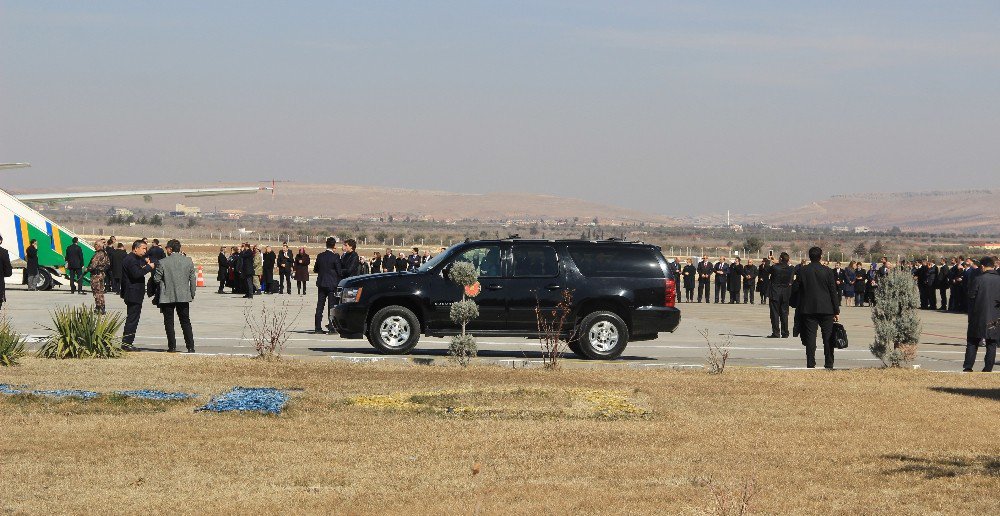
[(703, 286), (326, 297), (779, 314), (720, 291), (944, 297), (285, 278), (248, 285), (809, 324), (116, 285), (132, 313), (266, 280), (689, 292), (972, 347), (734, 294), (748, 294), (184, 314), (75, 280)]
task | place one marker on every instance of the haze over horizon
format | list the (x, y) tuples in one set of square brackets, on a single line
[(749, 106)]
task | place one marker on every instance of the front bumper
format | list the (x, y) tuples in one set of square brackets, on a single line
[(349, 318)]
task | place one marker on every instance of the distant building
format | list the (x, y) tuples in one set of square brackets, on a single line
[(122, 212), (862, 229), (181, 210), (841, 229), (232, 214)]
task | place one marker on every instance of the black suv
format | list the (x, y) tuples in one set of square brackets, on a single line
[(621, 291)]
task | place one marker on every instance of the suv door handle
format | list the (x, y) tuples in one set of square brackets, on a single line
[(553, 287), (494, 286)]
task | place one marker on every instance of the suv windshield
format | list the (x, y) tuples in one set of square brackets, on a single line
[(430, 264)]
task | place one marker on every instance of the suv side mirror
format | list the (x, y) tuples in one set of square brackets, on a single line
[(446, 270)]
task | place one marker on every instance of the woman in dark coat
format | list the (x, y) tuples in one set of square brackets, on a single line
[(688, 273), (860, 285), (376, 265), (300, 271), (31, 258)]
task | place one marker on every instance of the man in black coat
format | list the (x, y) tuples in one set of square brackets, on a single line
[(816, 290), (223, 261), (734, 280), (401, 263), (117, 257), (984, 311), (74, 265), (388, 261), (268, 259), (841, 277), (246, 271), (6, 271), (749, 282), (31, 268), (350, 262), (155, 252), (328, 274), (704, 278), (135, 267), (779, 282), (930, 284), (285, 263)]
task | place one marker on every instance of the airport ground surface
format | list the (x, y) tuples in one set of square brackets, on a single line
[(219, 326)]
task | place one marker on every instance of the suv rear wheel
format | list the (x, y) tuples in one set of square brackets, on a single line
[(603, 336), (394, 330)]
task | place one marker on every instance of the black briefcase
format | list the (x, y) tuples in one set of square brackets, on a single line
[(839, 336)]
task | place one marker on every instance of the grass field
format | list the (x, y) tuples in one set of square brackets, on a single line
[(407, 439)]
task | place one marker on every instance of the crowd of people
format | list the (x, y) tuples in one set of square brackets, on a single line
[(942, 284)]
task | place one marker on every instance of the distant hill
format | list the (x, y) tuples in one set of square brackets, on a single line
[(961, 211), (353, 202)]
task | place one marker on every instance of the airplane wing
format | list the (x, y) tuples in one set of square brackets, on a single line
[(190, 192)]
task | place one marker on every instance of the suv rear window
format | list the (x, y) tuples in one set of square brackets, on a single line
[(616, 262)]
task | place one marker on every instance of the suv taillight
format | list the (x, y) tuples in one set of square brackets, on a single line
[(670, 295)]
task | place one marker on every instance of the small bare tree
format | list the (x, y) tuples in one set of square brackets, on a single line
[(733, 500), (269, 329), (717, 354), (551, 326)]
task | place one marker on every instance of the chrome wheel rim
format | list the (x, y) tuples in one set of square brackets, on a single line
[(395, 331), (603, 337)]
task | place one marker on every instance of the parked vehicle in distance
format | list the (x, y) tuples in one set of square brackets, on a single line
[(621, 292)]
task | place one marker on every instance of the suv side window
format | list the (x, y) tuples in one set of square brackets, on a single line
[(616, 262), (485, 259), (535, 262)]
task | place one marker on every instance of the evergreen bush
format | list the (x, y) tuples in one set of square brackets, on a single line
[(897, 325), (463, 347), (11, 344), (80, 332)]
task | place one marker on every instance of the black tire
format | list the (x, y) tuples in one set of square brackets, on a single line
[(603, 336), (394, 330), (43, 281), (574, 346)]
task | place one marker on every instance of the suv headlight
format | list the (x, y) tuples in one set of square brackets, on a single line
[(351, 295)]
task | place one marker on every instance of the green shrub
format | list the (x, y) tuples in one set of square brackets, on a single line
[(11, 344), (80, 332), (897, 324)]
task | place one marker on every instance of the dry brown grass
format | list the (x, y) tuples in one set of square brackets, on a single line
[(851, 442)]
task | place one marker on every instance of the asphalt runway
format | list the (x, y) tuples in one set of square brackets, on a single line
[(219, 327)]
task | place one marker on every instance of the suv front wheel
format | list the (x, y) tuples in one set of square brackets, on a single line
[(394, 330), (603, 336)]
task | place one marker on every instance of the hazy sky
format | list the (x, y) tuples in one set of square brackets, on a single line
[(670, 107)]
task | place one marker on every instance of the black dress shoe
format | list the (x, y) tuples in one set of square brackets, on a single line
[(773, 336), (967, 370), (319, 330), (171, 350), (785, 336), (128, 347), (190, 350)]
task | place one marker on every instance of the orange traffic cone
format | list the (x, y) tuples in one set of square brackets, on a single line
[(201, 277)]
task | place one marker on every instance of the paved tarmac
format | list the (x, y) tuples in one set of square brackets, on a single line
[(219, 326)]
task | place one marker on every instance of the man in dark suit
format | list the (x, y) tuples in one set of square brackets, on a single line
[(413, 261), (74, 265), (328, 274), (6, 271), (721, 270), (816, 289), (135, 267), (734, 280), (930, 284), (388, 261), (984, 311), (223, 261), (704, 278), (117, 257), (841, 277), (155, 252), (285, 263), (779, 282)]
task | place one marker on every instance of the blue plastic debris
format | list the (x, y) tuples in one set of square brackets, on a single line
[(9, 389), (266, 400), (148, 394), (67, 393)]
